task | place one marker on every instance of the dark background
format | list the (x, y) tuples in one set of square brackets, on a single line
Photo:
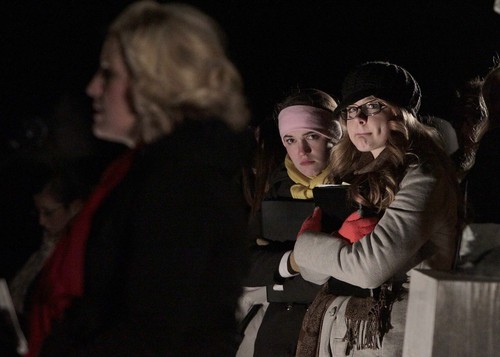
[(49, 49)]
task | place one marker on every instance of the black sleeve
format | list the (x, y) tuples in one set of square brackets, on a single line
[(264, 262), (165, 254), (483, 189)]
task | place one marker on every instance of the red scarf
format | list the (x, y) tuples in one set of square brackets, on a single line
[(62, 278)]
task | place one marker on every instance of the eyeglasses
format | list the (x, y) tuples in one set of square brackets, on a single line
[(368, 109)]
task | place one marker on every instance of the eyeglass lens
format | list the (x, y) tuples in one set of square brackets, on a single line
[(368, 109)]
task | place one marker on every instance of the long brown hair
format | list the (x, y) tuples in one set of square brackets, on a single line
[(410, 143)]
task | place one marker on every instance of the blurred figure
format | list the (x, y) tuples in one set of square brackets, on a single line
[(481, 239), (445, 130), (152, 265), (20, 230), (29, 143), (470, 122), (483, 191), (60, 196), (268, 154), (19, 163), (59, 193)]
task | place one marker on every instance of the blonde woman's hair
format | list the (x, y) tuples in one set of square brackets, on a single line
[(410, 143), (178, 67)]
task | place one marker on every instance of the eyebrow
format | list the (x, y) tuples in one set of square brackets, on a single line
[(368, 101), (304, 134), (359, 105)]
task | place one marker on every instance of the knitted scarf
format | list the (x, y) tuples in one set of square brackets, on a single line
[(62, 277), (358, 313), (303, 188)]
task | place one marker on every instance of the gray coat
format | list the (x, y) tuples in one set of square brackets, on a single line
[(418, 230)]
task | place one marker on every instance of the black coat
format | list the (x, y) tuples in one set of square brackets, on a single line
[(483, 190), (165, 255), (280, 327)]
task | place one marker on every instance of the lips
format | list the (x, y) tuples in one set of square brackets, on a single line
[(306, 162), (96, 111), (97, 108)]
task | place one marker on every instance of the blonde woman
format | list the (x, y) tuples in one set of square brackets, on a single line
[(153, 264)]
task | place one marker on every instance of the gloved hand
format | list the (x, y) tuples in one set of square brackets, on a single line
[(312, 223), (356, 227)]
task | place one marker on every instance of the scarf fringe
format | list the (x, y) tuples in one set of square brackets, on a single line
[(368, 320)]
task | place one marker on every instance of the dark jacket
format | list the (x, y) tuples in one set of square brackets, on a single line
[(483, 190), (165, 255), (280, 327)]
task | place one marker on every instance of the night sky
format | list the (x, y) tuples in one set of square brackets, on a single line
[(50, 48)]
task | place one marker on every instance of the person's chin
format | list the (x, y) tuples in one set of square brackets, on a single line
[(97, 128), (103, 135), (311, 173), (112, 137), (362, 147)]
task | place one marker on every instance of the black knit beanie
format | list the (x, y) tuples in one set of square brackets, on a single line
[(383, 80)]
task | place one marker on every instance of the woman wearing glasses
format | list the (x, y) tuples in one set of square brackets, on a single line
[(399, 172)]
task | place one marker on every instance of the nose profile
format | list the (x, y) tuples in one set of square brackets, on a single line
[(42, 221), (304, 147), (93, 88)]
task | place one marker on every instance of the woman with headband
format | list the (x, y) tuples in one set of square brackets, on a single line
[(298, 142)]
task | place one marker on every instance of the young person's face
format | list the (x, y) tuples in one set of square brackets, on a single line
[(308, 151), (114, 119), (53, 215), (369, 132)]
